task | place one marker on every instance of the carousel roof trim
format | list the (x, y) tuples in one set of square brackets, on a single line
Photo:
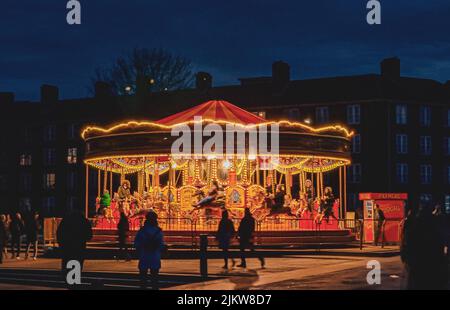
[(336, 127), (219, 110)]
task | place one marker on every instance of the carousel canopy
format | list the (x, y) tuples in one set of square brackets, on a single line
[(134, 146), (217, 110)]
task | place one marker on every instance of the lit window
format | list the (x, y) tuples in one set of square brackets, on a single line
[(322, 115), (72, 155), (447, 204), (425, 145), (402, 144), (25, 160), (425, 174), (354, 172), (401, 114), (425, 116), (402, 173), (353, 114), (49, 156), (356, 144), (49, 181)]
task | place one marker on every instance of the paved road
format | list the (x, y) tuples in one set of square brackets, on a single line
[(301, 271)]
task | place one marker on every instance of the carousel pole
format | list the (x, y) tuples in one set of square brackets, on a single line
[(288, 182), (265, 178), (87, 192), (110, 182), (98, 182), (344, 210), (340, 192), (258, 181), (105, 178)]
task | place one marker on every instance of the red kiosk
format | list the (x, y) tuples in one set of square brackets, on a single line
[(393, 207)]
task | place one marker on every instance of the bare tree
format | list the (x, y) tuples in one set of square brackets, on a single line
[(146, 70)]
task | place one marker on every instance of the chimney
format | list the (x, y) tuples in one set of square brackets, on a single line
[(203, 81), (281, 75), (6, 98), (102, 90), (49, 94), (390, 68)]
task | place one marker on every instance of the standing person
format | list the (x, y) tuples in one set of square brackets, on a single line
[(380, 220), (149, 244), (3, 236), (423, 252), (16, 228), (225, 233), (245, 234), (32, 228), (72, 234), (123, 229)]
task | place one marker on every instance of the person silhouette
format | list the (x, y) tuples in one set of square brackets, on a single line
[(245, 233), (225, 233)]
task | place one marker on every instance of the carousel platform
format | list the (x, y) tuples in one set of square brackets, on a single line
[(106, 238)]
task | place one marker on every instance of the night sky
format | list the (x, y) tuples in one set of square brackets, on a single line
[(229, 39)]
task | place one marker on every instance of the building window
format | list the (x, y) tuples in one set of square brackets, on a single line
[(293, 114), (425, 174), (49, 156), (48, 204), (426, 198), (447, 145), (447, 204), (402, 144), (354, 114), (71, 203), (71, 180), (447, 119), (25, 160), (425, 116), (72, 155), (425, 145), (25, 180), (356, 144), (322, 115), (50, 133), (354, 172), (401, 114), (402, 173), (24, 204), (72, 131), (49, 181)]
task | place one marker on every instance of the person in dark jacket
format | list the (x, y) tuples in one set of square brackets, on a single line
[(245, 234), (225, 233), (149, 244), (423, 252), (16, 229), (379, 221), (72, 234), (3, 236), (32, 228), (123, 228)]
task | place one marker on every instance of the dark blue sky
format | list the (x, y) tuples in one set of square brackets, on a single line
[(229, 39)]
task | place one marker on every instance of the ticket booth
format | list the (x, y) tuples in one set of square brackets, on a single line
[(393, 206)]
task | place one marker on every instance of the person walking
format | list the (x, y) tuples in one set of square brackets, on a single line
[(16, 228), (72, 234), (123, 228), (32, 228), (3, 236), (379, 220), (225, 233), (245, 234), (149, 244)]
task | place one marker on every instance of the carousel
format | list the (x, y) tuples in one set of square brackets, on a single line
[(136, 171)]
